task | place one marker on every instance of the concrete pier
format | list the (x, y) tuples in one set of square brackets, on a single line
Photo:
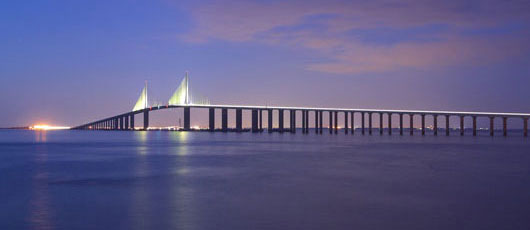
[(307, 121), (130, 119), (255, 121), (435, 118), (423, 124), (126, 118), (280, 120), (303, 121), (352, 114), (401, 124), (381, 124), (474, 125), (292, 120), (336, 122), (211, 116), (320, 122), (224, 120), (389, 124), (261, 120), (269, 121), (411, 124), (146, 120), (346, 123), (370, 123), (316, 121), (239, 120), (362, 123), (330, 122), (187, 118)]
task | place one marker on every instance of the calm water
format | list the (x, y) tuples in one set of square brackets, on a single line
[(176, 180)]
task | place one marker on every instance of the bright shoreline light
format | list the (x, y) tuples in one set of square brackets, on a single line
[(47, 127)]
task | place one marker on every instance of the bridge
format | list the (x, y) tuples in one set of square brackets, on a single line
[(182, 98)]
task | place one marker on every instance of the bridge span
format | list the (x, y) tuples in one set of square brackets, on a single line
[(183, 99)]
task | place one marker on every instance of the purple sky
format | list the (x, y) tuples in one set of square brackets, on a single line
[(66, 62)]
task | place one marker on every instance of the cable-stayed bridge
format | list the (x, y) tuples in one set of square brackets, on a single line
[(184, 98)]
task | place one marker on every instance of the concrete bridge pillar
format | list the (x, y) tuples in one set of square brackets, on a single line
[(462, 126), (269, 121), (362, 123), (401, 124), (321, 124), (255, 121), (280, 120), (261, 120), (474, 125), (303, 121), (224, 120), (316, 122), (239, 120), (146, 119), (126, 118), (370, 123), (352, 122), (307, 121), (116, 125), (346, 126), (330, 122), (491, 126), (381, 124), (447, 125), (122, 121), (211, 119), (132, 121), (423, 124), (411, 124), (292, 119), (187, 117), (336, 119), (389, 124), (505, 126), (435, 118)]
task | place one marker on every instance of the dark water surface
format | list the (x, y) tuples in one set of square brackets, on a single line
[(177, 180)]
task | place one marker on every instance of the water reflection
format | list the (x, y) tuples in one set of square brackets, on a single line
[(39, 205), (141, 140), (40, 136)]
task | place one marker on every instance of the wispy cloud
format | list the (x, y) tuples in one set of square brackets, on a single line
[(372, 36)]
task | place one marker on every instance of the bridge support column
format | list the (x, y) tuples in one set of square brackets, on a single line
[(435, 118), (132, 121), (447, 125), (352, 123), (336, 119), (239, 120), (370, 123), (269, 121), (362, 123), (116, 125), (146, 119), (411, 124), (261, 120), (187, 122), (280, 120), (307, 121), (389, 123), (525, 126), (474, 125), (346, 126), (330, 122), (316, 122), (292, 113), (255, 121), (491, 126), (303, 121), (126, 118), (122, 121), (224, 120), (211, 119), (401, 124), (381, 124), (505, 126), (462, 126), (321, 124), (423, 124)]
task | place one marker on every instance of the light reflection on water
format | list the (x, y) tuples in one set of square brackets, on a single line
[(179, 180)]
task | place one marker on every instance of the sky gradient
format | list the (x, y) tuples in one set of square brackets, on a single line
[(70, 62)]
